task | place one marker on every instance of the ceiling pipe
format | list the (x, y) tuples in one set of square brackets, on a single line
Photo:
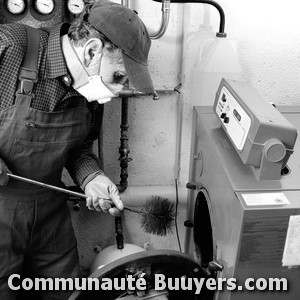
[(165, 16), (124, 3), (221, 32)]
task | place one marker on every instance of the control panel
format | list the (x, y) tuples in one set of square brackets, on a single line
[(234, 118), (260, 134)]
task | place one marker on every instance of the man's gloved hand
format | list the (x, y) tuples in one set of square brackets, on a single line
[(3, 173), (101, 191)]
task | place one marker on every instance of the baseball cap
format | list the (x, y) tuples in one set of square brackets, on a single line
[(123, 27)]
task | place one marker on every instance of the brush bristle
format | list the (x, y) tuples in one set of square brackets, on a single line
[(158, 216)]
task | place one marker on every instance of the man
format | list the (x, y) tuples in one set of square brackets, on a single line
[(52, 124)]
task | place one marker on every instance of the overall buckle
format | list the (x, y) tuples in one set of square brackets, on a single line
[(27, 79), (26, 87)]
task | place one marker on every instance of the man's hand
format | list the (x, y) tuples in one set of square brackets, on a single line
[(103, 195), (3, 173)]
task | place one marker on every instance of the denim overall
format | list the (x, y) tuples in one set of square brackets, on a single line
[(36, 234)]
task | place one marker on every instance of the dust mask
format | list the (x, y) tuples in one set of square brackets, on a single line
[(94, 89)]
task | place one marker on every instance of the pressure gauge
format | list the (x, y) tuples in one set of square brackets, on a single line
[(75, 6), (44, 7), (15, 7)]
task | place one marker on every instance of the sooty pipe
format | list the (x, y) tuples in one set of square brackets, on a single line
[(124, 148)]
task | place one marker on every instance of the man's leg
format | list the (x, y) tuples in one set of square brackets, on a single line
[(53, 252), (16, 220)]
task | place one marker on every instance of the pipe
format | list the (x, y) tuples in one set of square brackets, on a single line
[(100, 138), (221, 32), (124, 3), (165, 16), (128, 93), (135, 93), (124, 149), (136, 196), (180, 107), (119, 232)]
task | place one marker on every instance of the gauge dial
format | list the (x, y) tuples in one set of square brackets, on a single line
[(44, 7), (15, 7), (75, 6)]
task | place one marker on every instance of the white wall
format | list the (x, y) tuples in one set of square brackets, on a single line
[(266, 36)]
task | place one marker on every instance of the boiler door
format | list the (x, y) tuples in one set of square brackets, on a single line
[(203, 235), (169, 263)]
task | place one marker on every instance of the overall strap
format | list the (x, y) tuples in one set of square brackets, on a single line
[(29, 72)]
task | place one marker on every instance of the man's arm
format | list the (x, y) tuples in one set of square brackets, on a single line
[(82, 163)]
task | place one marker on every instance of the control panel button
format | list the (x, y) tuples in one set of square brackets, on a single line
[(226, 120)]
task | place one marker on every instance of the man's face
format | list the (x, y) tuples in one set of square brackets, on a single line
[(112, 68), (107, 62)]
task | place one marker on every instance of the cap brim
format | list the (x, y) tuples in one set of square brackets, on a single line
[(138, 75)]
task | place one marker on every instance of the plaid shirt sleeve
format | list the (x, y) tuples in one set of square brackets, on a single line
[(11, 57), (82, 162)]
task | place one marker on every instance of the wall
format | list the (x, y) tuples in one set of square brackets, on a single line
[(265, 37)]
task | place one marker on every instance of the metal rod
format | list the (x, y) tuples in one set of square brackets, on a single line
[(66, 191), (52, 187)]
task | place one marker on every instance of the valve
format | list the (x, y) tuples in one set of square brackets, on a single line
[(214, 267), (194, 185), (188, 223)]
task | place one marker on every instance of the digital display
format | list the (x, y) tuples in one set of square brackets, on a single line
[(237, 115)]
